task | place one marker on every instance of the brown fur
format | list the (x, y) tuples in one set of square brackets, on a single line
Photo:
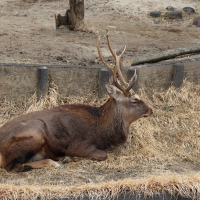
[(68, 130)]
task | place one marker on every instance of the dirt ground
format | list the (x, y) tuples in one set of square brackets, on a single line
[(28, 35)]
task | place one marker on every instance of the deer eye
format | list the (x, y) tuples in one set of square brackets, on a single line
[(134, 102)]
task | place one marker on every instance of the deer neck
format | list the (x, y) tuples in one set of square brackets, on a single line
[(114, 117)]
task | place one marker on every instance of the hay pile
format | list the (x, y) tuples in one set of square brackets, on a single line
[(161, 154)]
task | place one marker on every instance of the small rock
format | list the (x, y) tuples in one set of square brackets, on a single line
[(155, 14), (156, 21), (196, 21), (170, 8), (189, 10), (175, 15)]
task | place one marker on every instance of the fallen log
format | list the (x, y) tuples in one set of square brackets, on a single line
[(164, 55)]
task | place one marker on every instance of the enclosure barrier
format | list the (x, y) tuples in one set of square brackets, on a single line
[(21, 81), (161, 196)]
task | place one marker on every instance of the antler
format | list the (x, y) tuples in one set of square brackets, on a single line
[(133, 79), (112, 69), (116, 68)]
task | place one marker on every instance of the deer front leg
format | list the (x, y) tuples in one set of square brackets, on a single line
[(37, 165), (89, 153), (98, 155)]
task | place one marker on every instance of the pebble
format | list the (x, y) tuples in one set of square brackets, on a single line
[(175, 15), (189, 10), (170, 8), (155, 14), (156, 21), (196, 21)]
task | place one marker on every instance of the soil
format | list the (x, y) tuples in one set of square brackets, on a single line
[(28, 34)]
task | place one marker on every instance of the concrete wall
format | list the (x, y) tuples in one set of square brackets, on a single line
[(192, 71), (81, 81), (17, 81), (159, 76), (20, 81)]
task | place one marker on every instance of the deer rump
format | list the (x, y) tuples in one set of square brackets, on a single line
[(37, 139)]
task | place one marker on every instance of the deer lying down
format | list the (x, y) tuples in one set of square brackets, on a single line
[(36, 139)]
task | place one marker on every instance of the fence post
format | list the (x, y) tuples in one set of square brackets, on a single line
[(43, 81), (178, 73)]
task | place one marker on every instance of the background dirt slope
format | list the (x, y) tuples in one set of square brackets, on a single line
[(28, 35)]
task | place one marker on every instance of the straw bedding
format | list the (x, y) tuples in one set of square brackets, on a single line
[(161, 153)]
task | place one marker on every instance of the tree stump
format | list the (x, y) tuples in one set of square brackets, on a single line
[(73, 15)]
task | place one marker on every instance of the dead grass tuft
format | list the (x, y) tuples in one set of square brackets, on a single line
[(46, 102), (161, 155)]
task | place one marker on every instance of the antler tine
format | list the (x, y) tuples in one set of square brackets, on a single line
[(132, 82), (122, 52), (113, 53), (119, 72), (100, 55), (112, 69)]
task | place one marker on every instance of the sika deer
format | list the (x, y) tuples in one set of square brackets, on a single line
[(35, 139)]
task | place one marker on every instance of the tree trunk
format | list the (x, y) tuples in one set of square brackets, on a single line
[(73, 15)]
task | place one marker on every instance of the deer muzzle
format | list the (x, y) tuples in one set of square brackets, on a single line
[(150, 113)]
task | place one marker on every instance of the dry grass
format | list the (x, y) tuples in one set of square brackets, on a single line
[(161, 154), (183, 185)]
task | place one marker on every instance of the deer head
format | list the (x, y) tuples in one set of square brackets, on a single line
[(129, 103)]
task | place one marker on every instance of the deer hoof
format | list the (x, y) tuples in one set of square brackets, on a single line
[(61, 167)]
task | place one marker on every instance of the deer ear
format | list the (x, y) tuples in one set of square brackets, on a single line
[(113, 91)]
